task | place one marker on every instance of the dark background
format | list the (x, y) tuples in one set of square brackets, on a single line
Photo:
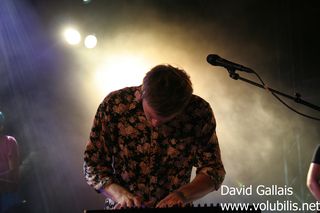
[(262, 142)]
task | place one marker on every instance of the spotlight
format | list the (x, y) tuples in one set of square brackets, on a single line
[(90, 41), (72, 36)]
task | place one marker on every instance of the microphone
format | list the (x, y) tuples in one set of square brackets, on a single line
[(216, 60)]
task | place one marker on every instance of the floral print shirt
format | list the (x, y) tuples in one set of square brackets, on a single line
[(149, 161)]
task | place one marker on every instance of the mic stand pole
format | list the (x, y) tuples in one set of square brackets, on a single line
[(297, 98)]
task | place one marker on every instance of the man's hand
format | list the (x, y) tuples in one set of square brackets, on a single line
[(121, 196), (127, 200), (197, 188), (173, 199)]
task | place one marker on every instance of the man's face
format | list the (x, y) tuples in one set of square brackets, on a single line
[(152, 116)]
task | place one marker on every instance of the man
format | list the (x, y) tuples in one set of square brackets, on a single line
[(314, 174), (146, 139), (9, 169)]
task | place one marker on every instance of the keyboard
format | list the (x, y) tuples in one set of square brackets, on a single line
[(192, 208)]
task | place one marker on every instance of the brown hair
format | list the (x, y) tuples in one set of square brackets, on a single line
[(167, 89)]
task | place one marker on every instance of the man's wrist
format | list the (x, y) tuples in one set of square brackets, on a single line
[(181, 196)]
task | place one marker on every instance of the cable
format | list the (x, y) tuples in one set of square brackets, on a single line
[(285, 104)]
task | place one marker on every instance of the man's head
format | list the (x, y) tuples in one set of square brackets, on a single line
[(1, 121), (166, 91)]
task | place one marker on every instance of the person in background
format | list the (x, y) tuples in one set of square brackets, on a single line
[(314, 174), (9, 169), (146, 139)]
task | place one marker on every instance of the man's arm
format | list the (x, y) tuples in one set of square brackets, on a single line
[(10, 178), (12, 174), (313, 180), (98, 161), (99, 174), (121, 196), (209, 177), (97, 165), (197, 188), (14, 161)]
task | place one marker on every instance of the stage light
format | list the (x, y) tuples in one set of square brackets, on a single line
[(72, 36), (90, 41), (120, 71)]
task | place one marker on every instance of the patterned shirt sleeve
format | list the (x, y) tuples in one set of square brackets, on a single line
[(97, 167), (208, 155)]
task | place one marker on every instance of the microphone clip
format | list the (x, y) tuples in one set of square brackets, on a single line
[(232, 73)]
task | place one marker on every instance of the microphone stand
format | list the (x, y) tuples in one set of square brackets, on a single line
[(297, 98)]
